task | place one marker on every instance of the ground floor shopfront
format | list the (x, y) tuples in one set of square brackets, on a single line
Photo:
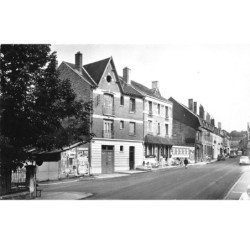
[(156, 148), (183, 152), (110, 155)]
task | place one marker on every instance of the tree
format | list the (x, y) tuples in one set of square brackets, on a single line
[(38, 110)]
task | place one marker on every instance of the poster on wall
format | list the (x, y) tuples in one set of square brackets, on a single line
[(74, 162)]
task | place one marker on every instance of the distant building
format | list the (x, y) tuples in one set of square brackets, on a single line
[(186, 132)]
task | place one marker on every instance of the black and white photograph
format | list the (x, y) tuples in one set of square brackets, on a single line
[(123, 121), (76, 124)]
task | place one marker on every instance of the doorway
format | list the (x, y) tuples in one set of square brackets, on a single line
[(131, 157), (107, 159)]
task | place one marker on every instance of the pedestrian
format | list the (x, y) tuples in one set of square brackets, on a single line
[(186, 163)]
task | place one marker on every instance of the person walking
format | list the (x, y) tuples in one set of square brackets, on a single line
[(186, 163)]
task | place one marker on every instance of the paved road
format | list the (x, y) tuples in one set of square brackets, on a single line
[(205, 182)]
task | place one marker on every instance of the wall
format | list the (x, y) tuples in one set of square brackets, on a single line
[(157, 118), (121, 158), (120, 112), (181, 132), (80, 87), (48, 171)]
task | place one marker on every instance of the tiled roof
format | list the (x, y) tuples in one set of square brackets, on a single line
[(147, 91), (188, 114), (84, 73), (128, 89), (96, 69)]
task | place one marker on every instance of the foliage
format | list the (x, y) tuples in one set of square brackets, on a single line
[(38, 110)]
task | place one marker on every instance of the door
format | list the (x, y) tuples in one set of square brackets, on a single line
[(131, 158), (107, 159)]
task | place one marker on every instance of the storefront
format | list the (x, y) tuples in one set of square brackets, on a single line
[(183, 152), (156, 147)]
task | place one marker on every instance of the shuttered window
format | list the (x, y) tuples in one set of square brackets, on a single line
[(132, 128)]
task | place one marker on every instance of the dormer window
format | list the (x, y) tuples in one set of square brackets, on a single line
[(109, 78)]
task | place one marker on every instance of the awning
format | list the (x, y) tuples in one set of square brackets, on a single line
[(152, 139)]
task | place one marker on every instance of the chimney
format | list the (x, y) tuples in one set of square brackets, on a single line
[(154, 84), (126, 75), (213, 121), (219, 125), (195, 107), (207, 117), (201, 112), (190, 104), (78, 61)]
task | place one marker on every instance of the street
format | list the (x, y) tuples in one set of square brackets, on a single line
[(199, 182)]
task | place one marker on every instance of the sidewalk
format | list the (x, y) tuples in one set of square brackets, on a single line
[(63, 196), (239, 187)]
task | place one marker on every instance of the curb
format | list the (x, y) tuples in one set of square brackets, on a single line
[(231, 189)]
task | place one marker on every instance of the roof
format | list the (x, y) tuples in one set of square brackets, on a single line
[(84, 73), (96, 69), (152, 139), (128, 89), (150, 92), (187, 116)]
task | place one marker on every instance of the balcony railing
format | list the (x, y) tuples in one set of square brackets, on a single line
[(108, 110), (167, 118), (108, 133), (150, 113)]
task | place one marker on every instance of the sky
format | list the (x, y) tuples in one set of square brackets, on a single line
[(216, 76)]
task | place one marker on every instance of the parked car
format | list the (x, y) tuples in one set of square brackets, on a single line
[(232, 155), (221, 158), (244, 160)]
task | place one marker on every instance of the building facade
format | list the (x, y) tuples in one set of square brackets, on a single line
[(117, 118), (187, 134), (157, 122)]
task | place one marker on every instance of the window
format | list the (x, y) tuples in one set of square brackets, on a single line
[(132, 128), (166, 129), (132, 105), (97, 100), (122, 100), (108, 129), (121, 124), (150, 126), (166, 112), (121, 148), (159, 128), (108, 108), (159, 109), (109, 78), (150, 106)]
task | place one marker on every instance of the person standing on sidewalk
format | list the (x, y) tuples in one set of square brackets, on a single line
[(186, 163)]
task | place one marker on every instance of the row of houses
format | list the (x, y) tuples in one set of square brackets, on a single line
[(133, 124)]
